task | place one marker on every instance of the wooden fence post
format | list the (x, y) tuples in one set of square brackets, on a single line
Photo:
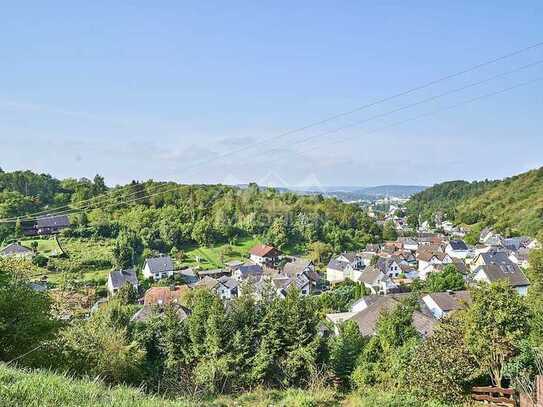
[(539, 390)]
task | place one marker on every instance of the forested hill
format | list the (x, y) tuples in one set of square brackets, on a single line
[(512, 206), (170, 215)]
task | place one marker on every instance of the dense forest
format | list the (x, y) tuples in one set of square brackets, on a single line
[(511, 206)]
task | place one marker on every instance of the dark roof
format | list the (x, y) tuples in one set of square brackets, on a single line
[(337, 265), (228, 282), (14, 249), (159, 264), (451, 300), (510, 272), (247, 270), (496, 257), (53, 222), (120, 277), (458, 245)]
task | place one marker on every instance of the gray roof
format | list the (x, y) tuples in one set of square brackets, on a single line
[(370, 275), (159, 264), (496, 257), (212, 272), (351, 256), (337, 265), (53, 221), (452, 300), (367, 318), (228, 282), (510, 272), (14, 249), (120, 277), (297, 267), (247, 270), (458, 245), (145, 312)]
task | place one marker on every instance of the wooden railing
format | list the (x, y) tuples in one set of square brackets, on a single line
[(495, 395)]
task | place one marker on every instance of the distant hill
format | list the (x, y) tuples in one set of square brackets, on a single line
[(355, 193), (512, 206)]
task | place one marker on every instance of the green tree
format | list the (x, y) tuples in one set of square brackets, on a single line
[(496, 321), (101, 346), (344, 350), (25, 315), (277, 233), (389, 231), (443, 367), (18, 228), (320, 252), (448, 279)]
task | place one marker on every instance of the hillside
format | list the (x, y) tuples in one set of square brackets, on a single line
[(512, 206), (28, 388)]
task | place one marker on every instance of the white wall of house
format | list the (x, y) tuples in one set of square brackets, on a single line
[(156, 276), (334, 276), (456, 254), (258, 259)]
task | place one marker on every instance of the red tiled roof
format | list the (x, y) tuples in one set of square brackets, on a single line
[(263, 250), (164, 295)]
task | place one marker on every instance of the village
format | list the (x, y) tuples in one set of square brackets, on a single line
[(386, 272)]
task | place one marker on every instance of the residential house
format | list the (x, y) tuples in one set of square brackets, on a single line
[(391, 266), (345, 266), (457, 249), (207, 282), (47, 225), (227, 288), (509, 272), (491, 257), (443, 303), (430, 257), (118, 278), (520, 257), (263, 254), (409, 243), (376, 281), (156, 300), (188, 275), (158, 268), (247, 271), (16, 250), (306, 268), (366, 319)]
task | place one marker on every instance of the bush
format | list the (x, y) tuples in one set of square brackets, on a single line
[(40, 260)]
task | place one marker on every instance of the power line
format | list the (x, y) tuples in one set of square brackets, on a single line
[(311, 125), (471, 100)]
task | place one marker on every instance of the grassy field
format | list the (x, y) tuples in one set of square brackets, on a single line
[(20, 388), (89, 259), (46, 247), (216, 256)]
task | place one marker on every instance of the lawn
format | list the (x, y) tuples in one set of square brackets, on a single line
[(216, 256), (88, 259), (46, 247)]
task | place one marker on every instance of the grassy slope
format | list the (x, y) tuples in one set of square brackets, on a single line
[(41, 388), (515, 204)]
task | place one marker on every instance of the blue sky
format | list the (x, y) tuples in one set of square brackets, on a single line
[(171, 90)]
